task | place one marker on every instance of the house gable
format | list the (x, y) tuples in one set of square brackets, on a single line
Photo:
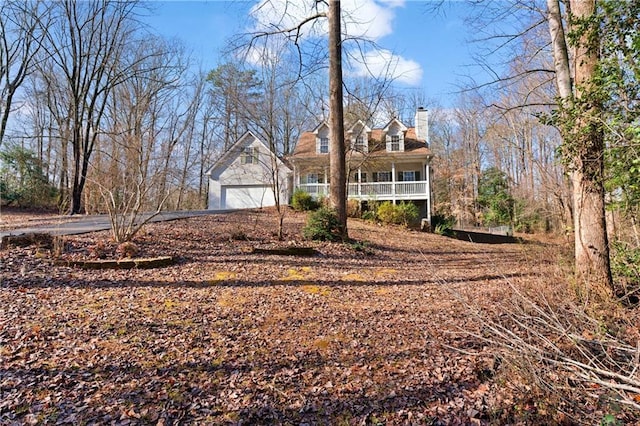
[(358, 136), (322, 138), (248, 161), (394, 136)]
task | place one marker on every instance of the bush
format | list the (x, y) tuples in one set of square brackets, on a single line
[(386, 212), (443, 225), (322, 225), (127, 249), (22, 179), (408, 213), (303, 201), (398, 214), (369, 215), (545, 339), (625, 265)]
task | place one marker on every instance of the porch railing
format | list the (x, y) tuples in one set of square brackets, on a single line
[(375, 190)]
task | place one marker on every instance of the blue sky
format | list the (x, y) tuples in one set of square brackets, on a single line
[(430, 46)]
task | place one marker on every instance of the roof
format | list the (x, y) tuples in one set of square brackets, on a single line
[(306, 147)]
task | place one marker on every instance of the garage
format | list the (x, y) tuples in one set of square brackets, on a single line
[(247, 196)]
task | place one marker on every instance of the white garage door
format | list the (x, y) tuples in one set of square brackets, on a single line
[(247, 197)]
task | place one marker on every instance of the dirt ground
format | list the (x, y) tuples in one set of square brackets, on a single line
[(373, 332)]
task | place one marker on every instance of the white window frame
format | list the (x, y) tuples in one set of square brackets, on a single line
[(249, 155), (360, 143), (314, 178), (323, 147), (363, 177), (408, 173), (395, 143)]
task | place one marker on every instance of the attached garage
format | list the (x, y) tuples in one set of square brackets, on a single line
[(247, 197)]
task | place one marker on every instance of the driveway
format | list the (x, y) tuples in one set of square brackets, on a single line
[(73, 225)]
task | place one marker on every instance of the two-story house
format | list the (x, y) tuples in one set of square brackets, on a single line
[(387, 164)]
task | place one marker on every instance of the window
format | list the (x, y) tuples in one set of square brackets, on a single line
[(249, 156), (408, 176), (395, 142), (363, 177), (382, 176), (360, 144), (313, 178), (324, 145)]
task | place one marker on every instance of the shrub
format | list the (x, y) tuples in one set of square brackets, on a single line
[(545, 339), (127, 249), (386, 212), (399, 214), (408, 213), (369, 215), (443, 225), (625, 266), (322, 225), (303, 201), (22, 179)]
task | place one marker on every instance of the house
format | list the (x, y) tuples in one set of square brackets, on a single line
[(248, 175), (385, 164)]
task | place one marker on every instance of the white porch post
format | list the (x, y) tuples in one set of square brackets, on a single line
[(393, 182), (359, 182), (428, 175), (295, 178), (326, 182)]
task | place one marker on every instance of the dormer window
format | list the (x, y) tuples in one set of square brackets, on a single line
[(324, 146), (395, 136), (322, 138), (360, 144), (359, 137), (395, 143)]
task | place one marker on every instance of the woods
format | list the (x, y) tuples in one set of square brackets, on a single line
[(92, 95), (100, 114)]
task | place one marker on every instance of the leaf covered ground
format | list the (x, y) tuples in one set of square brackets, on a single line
[(363, 333)]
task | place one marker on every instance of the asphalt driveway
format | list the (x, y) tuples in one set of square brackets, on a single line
[(73, 225)]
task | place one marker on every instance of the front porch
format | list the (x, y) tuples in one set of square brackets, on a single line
[(379, 191)]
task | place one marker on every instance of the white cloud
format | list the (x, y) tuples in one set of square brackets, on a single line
[(370, 19), (273, 15), (385, 64), (363, 19)]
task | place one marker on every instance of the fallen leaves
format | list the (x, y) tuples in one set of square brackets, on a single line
[(227, 336)]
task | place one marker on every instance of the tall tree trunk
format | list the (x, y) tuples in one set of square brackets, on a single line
[(584, 143), (337, 162), (591, 242)]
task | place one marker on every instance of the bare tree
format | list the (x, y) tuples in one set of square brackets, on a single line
[(85, 48), (579, 117), (142, 122), (22, 29)]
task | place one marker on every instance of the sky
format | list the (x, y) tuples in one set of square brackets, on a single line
[(428, 48)]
